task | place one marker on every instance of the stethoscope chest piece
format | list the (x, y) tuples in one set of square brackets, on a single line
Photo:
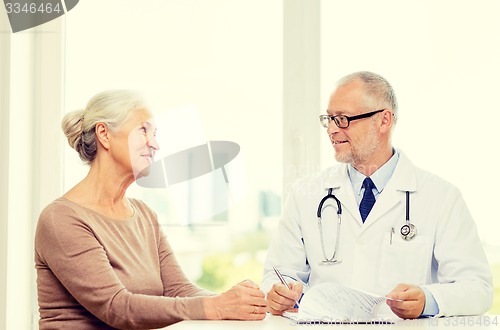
[(408, 231)]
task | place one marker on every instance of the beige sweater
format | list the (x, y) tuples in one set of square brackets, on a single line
[(97, 272)]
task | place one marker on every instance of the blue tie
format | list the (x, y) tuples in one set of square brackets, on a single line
[(368, 199)]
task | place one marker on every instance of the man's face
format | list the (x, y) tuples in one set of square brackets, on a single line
[(358, 143)]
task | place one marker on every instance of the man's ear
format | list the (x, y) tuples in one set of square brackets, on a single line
[(387, 121), (102, 134)]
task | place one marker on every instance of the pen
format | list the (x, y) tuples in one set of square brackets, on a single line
[(284, 283)]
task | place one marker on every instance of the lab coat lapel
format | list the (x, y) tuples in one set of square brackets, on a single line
[(403, 179), (386, 201)]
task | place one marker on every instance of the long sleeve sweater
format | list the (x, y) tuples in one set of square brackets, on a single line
[(97, 272)]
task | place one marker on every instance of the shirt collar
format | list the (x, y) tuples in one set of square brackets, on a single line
[(380, 178)]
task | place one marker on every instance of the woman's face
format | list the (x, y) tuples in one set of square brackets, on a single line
[(134, 143)]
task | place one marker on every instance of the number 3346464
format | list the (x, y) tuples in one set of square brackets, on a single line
[(33, 8)]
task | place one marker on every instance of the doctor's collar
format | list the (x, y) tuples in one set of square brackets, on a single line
[(380, 178)]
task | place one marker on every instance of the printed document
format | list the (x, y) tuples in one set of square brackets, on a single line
[(336, 303)]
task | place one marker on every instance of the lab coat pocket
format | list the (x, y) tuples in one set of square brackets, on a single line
[(405, 261)]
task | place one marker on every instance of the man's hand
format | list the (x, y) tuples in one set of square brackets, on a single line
[(281, 299), (412, 304)]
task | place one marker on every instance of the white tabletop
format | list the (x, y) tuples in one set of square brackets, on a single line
[(277, 322)]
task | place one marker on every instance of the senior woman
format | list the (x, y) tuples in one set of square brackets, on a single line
[(102, 259)]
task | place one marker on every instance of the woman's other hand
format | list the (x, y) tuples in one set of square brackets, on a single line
[(244, 301)]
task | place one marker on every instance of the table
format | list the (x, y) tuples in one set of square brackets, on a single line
[(272, 322)]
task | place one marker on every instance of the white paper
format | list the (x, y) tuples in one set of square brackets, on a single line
[(335, 303)]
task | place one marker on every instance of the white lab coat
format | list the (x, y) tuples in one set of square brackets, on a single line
[(446, 255)]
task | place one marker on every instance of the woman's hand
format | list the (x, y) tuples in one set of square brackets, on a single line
[(244, 301)]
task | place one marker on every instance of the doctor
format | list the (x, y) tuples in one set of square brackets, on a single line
[(391, 229)]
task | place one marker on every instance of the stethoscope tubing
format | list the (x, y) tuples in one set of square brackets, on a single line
[(331, 260), (408, 230), (324, 199)]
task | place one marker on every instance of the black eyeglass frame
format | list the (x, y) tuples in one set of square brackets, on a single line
[(349, 118)]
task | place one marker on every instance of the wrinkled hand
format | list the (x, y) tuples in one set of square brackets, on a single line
[(281, 299), (413, 302), (244, 301)]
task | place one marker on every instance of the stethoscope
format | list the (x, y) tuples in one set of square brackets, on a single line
[(408, 230), (332, 260)]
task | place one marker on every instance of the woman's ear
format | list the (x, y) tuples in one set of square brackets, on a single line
[(102, 134)]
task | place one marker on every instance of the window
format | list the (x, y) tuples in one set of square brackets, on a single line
[(211, 71)]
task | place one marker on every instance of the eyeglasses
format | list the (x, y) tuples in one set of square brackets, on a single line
[(343, 121)]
